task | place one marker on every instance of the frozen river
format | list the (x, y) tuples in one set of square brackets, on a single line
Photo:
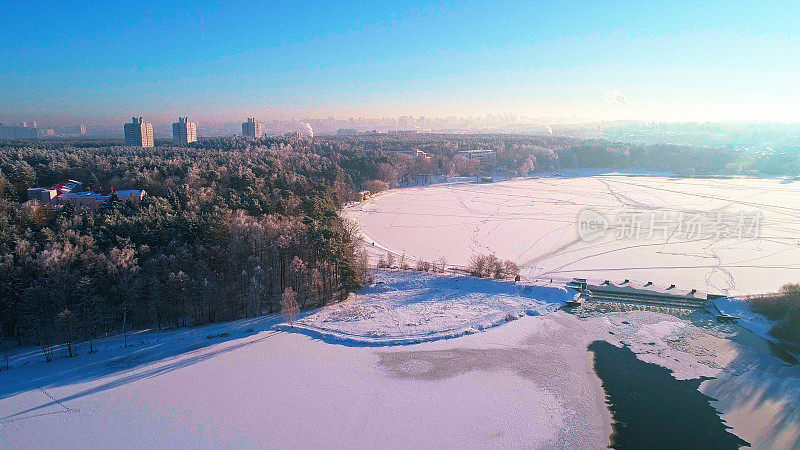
[(734, 236)]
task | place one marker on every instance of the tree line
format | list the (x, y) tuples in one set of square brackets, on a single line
[(782, 307), (231, 227), (523, 154), (227, 230)]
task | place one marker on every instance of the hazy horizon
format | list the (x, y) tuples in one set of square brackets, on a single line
[(165, 120), (103, 62)]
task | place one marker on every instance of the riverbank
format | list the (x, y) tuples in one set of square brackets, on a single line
[(527, 381)]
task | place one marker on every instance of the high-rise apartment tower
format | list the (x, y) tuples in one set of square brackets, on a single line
[(184, 131), (138, 133), (251, 128)]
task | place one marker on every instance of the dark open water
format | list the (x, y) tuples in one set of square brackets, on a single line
[(653, 410)]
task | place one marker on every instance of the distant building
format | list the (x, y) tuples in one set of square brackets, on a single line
[(138, 133), (346, 132), (419, 154), (252, 129), (21, 131), (71, 191), (184, 132), (484, 157), (47, 195), (92, 200), (416, 154), (71, 131), (68, 186), (44, 195)]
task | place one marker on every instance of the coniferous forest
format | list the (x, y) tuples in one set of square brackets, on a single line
[(225, 229), (229, 225)]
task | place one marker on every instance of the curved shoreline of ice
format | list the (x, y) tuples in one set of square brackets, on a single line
[(409, 307), (533, 221)]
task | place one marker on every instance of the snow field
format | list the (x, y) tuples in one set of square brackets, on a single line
[(403, 307), (534, 223), (527, 383)]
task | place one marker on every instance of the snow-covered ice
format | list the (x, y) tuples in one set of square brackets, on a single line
[(485, 363), (528, 382), (748, 318), (534, 222)]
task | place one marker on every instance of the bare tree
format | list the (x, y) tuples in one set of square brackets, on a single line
[(289, 305), (67, 321), (495, 268), (47, 351), (510, 269), (477, 265), (125, 326), (362, 265), (375, 186), (492, 267), (403, 264)]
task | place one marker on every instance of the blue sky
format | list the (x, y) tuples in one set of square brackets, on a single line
[(677, 60)]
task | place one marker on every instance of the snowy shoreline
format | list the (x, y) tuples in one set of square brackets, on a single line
[(493, 363), (528, 382), (408, 307), (533, 221)]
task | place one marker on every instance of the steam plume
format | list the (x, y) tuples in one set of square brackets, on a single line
[(616, 98), (308, 129)]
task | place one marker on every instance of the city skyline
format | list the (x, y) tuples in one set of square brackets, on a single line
[(684, 62)]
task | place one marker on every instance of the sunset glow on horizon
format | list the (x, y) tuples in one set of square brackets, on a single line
[(572, 61)]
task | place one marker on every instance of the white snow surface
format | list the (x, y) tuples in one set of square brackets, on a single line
[(748, 318), (256, 383), (533, 221), (337, 380), (402, 307)]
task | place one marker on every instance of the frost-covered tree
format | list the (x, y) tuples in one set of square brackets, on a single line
[(289, 308)]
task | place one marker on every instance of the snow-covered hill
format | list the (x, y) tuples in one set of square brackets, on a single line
[(402, 307)]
